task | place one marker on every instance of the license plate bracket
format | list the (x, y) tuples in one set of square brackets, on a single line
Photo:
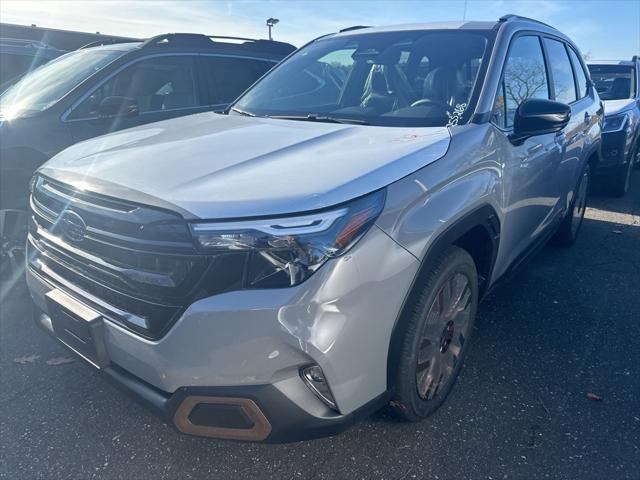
[(79, 327)]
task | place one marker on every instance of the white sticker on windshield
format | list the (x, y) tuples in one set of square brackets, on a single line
[(455, 117)]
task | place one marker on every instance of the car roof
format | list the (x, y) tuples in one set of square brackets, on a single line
[(29, 47), (514, 23), (419, 26), (199, 43)]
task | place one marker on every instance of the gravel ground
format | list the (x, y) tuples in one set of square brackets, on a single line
[(567, 325)]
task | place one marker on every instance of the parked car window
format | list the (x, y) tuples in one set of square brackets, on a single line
[(372, 79), (563, 83), (156, 84), (43, 87), (13, 65), (228, 77), (613, 82), (524, 77), (581, 77)]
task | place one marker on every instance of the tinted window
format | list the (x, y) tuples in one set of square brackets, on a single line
[(613, 82), (13, 65), (45, 86), (563, 83), (228, 77), (524, 77), (581, 78), (156, 84), (404, 78)]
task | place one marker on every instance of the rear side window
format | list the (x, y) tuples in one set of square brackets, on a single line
[(227, 77), (581, 78), (524, 77), (563, 84), (156, 84)]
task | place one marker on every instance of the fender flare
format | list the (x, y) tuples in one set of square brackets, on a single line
[(483, 216)]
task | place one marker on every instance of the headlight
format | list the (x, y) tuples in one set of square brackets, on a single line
[(615, 123), (285, 251)]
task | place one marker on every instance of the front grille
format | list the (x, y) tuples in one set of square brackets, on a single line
[(136, 263)]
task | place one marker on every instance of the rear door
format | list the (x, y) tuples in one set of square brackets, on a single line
[(569, 85), (531, 183), (162, 86)]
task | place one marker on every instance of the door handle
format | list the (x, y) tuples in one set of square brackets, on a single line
[(587, 117)]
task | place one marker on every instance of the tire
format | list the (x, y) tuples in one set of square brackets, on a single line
[(567, 233), (437, 336)]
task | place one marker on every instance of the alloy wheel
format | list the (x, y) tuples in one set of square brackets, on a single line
[(443, 336)]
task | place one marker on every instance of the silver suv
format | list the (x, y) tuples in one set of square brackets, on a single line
[(618, 84), (277, 273)]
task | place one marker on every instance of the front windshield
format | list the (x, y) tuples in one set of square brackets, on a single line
[(46, 85), (613, 82), (409, 78)]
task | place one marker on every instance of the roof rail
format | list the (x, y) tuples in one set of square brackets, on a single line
[(107, 41), (21, 42), (355, 27), (198, 40), (511, 16)]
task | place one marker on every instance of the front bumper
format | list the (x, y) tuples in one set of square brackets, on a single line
[(252, 345), (285, 411)]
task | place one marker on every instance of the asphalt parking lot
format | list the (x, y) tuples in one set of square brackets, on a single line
[(566, 326)]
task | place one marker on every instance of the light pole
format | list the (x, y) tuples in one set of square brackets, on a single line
[(270, 23)]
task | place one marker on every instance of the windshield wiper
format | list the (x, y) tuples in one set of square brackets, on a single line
[(320, 118), (242, 112)]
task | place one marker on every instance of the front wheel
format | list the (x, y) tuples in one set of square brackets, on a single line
[(570, 226), (437, 336)]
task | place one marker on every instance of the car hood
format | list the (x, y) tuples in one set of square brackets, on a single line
[(228, 166), (613, 107)]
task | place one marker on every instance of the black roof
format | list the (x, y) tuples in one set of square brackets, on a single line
[(196, 40)]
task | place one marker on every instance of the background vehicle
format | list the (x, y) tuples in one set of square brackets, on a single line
[(328, 258), (618, 84), (97, 90), (18, 57)]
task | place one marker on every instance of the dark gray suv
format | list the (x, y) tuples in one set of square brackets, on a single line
[(97, 90), (18, 57)]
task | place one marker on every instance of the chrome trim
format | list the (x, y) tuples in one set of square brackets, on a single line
[(300, 225)]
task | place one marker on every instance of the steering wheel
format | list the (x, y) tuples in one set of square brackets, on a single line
[(426, 101)]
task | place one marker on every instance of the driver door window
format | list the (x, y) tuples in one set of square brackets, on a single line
[(156, 84), (524, 77)]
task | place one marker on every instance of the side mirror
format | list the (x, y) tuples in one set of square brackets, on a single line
[(536, 116), (117, 107)]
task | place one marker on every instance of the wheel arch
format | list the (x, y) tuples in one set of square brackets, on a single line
[(477, 232)]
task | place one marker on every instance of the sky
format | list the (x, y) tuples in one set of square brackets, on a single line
[(603, 29)]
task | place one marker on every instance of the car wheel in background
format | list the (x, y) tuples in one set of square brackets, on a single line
[(13, 235), (570, 226), (437, 336), (618, 183)]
